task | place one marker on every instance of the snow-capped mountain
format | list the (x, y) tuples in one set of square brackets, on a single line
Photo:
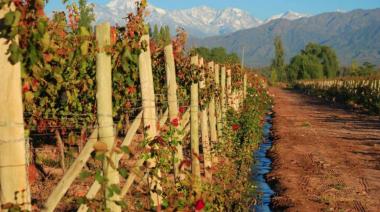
[(290, 15), (198, 21)]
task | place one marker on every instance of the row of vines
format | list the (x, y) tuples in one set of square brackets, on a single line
[(360, 92), (111, 120)]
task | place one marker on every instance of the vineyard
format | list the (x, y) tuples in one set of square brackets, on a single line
[(112, 119), (359, 92)]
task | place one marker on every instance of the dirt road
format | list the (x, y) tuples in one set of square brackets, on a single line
[(326, 158)]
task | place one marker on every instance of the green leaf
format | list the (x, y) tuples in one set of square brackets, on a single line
[(84, 175), (9, 18), (165, 203), (100, 178), (29, 97), (16, 18), (41, 27), (115, 189), (125, 149), (84, 48), (123, 172), (45, 41)]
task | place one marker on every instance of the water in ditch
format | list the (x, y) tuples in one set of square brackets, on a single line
[(262, 166)]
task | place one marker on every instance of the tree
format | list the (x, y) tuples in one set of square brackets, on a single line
[(87, 16), (218, 54), (366, 69), (278, 63), (155, 35), (167, 36), (313, 62), (304, 66), (326, 56)]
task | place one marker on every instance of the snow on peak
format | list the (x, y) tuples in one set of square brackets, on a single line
[(199, 21), (289, 15)]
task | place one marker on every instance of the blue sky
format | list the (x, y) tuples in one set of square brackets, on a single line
[(261, 9)]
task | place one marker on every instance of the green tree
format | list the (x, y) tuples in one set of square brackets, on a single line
[(218, 54), (304, 66), (155, 34), (167, 36), (366, 69), (314, 62), (273, 76), (87, 16), (326, 56), (278, 63)]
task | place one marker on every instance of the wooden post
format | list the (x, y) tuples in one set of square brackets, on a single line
[(205, 130), (194, 130), (61, 149), (13, 165), (229, 88), (71, 174), (212, 108), (245, 85), (104, 112), (218, 104), (223, 92), (149, 115), (213, 123), (173, 102)]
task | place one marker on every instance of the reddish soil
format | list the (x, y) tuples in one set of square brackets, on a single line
[(326, 158)]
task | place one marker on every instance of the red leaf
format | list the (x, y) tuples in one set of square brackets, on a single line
[(182, 109), (25, 87), (113, 35), (185, 163), (175, 122), (235, 127), (33, 173), (199, 205), (131, 90)]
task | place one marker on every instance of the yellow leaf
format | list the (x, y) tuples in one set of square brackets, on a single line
[(100, 146)]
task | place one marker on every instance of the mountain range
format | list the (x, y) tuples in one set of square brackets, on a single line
[(200, 21), (354, 35)]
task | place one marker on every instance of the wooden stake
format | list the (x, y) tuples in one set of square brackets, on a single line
[(71, 174), (204, 129), (104, 113), (229, 88), (13, 165), (223, 92), (194, 130), (173, 103), (61, 149), (213, 132), (218, 103), (149, 115), (245, 85)]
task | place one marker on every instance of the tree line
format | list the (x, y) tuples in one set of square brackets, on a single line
[(315, 61)]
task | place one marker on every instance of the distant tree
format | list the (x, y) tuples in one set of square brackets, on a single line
[(166, 36), (155, 34), (326, 56), (304, 66), (278, 63), (86, 14), (273, 76), (218, 54), (314, 62), (366, 69)]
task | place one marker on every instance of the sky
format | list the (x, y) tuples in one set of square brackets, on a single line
[(261, 9)]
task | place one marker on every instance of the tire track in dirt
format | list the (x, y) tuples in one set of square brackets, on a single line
[(325, 157)]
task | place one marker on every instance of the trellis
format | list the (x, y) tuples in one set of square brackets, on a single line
[(13, 176)]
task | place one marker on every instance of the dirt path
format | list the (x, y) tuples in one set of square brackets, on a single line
[(325, 158)]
